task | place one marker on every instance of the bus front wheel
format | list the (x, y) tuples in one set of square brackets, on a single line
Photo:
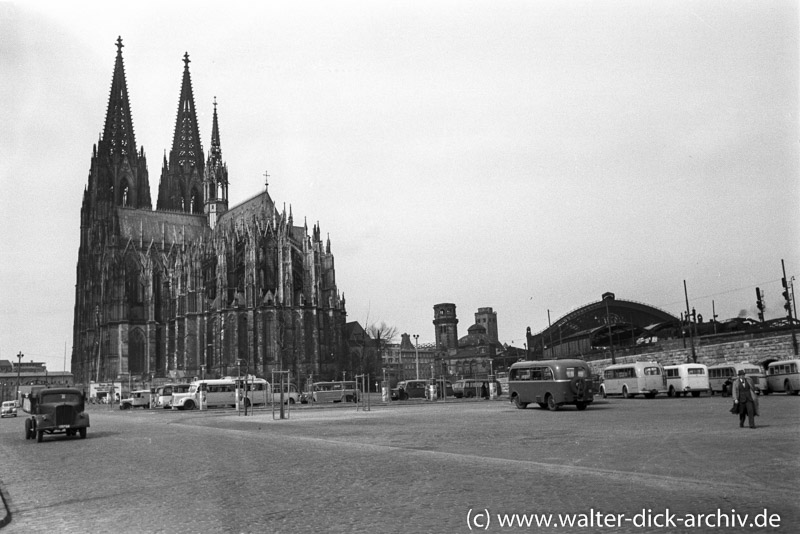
[(581, 406), (188, 405), (551, 403), (519, 404)]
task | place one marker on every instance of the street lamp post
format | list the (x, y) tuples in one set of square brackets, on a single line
[(610, 337), (416, 352), (19, 367), (238, 384)]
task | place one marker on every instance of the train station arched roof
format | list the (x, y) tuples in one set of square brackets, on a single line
[(607, 312)]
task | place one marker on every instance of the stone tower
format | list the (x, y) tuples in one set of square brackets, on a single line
[(446, 324), (487, 318)]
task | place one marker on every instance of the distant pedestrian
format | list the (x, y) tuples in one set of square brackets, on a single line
[(744, 396)]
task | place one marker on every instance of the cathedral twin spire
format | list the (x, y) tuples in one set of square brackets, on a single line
[(188, 182)]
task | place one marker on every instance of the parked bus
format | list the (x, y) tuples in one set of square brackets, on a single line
[(686, 378), (722, 375), (163, 396), (341, 391), (783, 376), (221, 392), (551, 384), (631, 379)]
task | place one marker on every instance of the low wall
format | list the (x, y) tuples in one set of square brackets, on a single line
[(756, 350)]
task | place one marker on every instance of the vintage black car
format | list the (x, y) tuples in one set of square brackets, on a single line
[(55, 410)]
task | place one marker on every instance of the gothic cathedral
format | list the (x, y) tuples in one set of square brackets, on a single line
[(194, 287)]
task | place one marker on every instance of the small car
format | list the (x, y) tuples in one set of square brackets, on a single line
[(9, 409), (139, 398), (55, 410)]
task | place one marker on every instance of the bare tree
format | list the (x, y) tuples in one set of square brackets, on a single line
[(381, 334)]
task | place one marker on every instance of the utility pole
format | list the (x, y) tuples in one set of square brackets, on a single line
[(19, 367), (714, 316), (788, 307), (691, 337)]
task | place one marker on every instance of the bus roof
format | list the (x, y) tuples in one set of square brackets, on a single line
[(558, 363), (632, 364)]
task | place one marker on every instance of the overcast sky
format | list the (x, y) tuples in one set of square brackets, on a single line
[(526, 156)]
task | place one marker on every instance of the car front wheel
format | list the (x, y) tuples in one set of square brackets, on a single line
[(82, 432)]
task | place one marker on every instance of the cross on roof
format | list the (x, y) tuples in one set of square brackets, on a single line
[(186, 59), (266, 179), (119, 44)]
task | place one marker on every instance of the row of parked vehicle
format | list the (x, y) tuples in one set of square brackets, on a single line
[(428, 389), (555, 383), (221, 392), (650, 378)]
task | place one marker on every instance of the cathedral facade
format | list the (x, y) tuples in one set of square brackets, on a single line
[(195, 287)]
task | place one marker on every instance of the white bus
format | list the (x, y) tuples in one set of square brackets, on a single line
[(631, 379), (722, 375), (163, 396), (221, 392), (686, 378), (783, 376)]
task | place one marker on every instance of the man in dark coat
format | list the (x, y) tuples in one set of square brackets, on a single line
[(744, 396)]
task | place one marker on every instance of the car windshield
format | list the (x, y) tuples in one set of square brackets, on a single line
[(60, 397)]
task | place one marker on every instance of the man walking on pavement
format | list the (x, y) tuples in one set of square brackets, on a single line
[(744, 396)]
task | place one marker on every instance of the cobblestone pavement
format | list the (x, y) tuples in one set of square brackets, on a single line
[(412, 467)]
